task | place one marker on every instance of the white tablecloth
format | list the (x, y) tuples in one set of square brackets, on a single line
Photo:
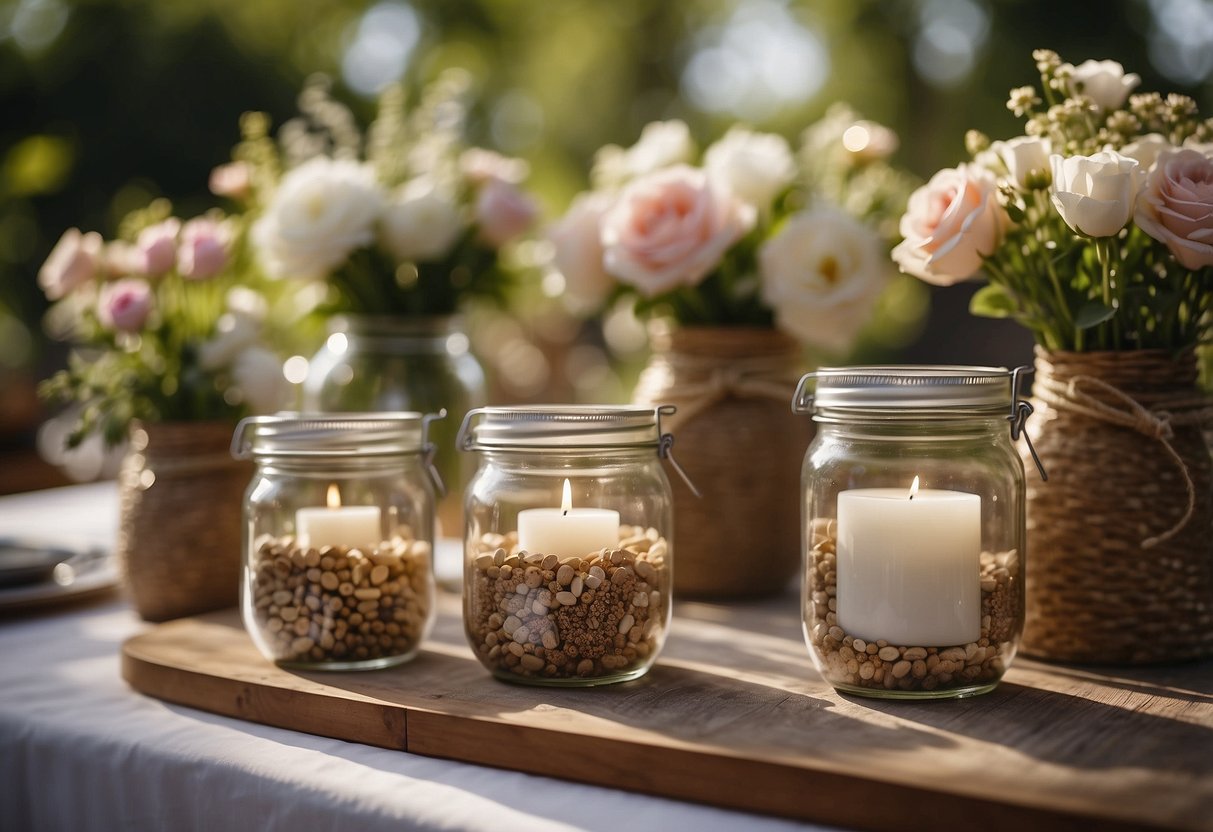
[(79, 750)]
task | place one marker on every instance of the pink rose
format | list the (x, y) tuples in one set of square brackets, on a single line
[(233, 179), (1176, 206), (124, 304), (203, 249), (73, 261), (950, 224), (158, 246), (503, 212), (670, 228), (577, 248)]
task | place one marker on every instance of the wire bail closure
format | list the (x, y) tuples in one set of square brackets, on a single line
[(665, 448), (429, 450), (1021, 409)]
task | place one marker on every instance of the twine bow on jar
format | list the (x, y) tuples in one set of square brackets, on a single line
[(1155, 422), (695, 383)]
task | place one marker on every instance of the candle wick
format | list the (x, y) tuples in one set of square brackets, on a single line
[(911, 498), (564, 513)]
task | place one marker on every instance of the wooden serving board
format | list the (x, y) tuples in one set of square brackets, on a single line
[(734, 715)]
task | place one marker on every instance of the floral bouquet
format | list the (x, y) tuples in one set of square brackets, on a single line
[(165, 332), (755, 252), (404, 221), (1094, 229), (754, 236)]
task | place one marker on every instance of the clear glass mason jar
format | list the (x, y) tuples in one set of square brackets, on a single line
[(568, 548), (338, 538), (377, 364), (913, 528)]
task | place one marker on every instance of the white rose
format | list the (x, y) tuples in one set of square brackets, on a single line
[(322, 211), (1095, 195), (661, 144), (1104, 82), (1146, 149), (257, 373), (822, 274), (234, 332), (754, 166), (1194, 144), (1023, 156), (422, 222), (577, 248)]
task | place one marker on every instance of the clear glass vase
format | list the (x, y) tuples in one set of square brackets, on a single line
[(378, 364)]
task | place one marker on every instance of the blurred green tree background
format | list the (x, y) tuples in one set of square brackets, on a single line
[(108, 102)]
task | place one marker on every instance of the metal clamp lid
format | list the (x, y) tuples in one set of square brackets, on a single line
[(933, 388), (569, 428), (334, 435)]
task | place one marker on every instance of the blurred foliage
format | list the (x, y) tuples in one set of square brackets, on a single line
[(109, 102)]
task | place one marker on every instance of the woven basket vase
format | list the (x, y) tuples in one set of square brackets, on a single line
[(742, 447), (181, 497), (1095, 593)]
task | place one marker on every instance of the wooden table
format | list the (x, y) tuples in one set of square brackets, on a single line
[(734, 715)]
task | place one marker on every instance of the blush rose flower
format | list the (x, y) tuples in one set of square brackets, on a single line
[(1176, 206), (73, 262), (203, 251), (670, 228), (157, 247), (1104, 82), (233, 179), (422, 222), (479, 166), (503, 212), (822, 274), (950, 224), (754, 166), (577, 248), (322, 211), (125, 304), (1095, 194)]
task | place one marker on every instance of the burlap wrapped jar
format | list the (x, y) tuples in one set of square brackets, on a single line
[(742, 447), (181, 498), (1120, 539)]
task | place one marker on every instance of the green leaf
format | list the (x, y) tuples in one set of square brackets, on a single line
[(1092, 313), (993, 302)]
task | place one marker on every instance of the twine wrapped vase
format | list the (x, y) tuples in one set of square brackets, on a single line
[(1120, 539), (741, 446), (181, 497)]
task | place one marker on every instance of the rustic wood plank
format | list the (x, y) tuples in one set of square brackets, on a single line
[(734, 715)]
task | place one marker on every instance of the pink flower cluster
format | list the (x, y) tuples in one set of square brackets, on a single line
[(197, 250)]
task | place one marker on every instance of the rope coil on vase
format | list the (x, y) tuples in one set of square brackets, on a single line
[(1120, 409)]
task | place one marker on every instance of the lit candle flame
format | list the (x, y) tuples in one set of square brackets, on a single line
[(913, 488), (566, 502), (334, 496)]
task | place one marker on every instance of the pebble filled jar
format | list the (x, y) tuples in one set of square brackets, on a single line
[(913, 501), (569, 554), (338, 538)]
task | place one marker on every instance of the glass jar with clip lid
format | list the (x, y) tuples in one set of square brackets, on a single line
[(338, 534), (568, 538), (913, 501)]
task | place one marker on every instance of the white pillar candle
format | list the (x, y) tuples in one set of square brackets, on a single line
[(567, 531), (909, 569), (338, 525)]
